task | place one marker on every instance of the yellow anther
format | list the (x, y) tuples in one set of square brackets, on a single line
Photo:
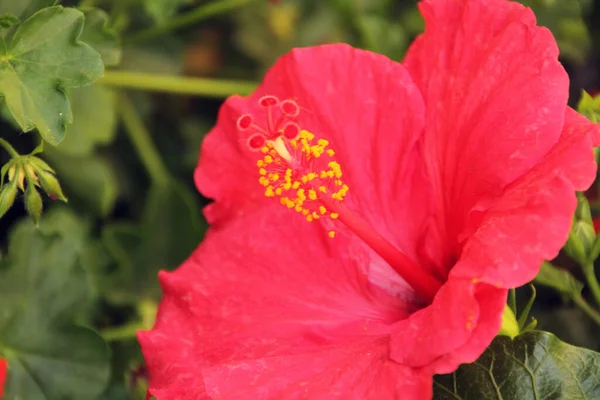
[(268, 159), (334, 215), (304, 179), (330, 153), (338, 182), (296, 185), (330, 174), (262, 171), (331, 234), (312, 194), (300, 194), (322, 210), (278, 191), (315, 215), (286, 186), (322, 189), (269, 191), (265, 150), (288, 172), (311, 176), (305, 211), (274, 177), (298, 208), (323, 174), (323, 142), (260, 163), (309, 218)]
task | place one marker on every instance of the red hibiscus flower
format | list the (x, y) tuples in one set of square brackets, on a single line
[(429, 187), (3, 368)]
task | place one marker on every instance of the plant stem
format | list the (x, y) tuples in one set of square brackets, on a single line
[(142, 141), (586, 308), (7, 146), (124, 332), (198, 14), (177, 84), (592, 281)]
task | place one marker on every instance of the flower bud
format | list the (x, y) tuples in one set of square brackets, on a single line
[(33, 203), (582, 234), (51, 186), (510, 326), (7, 197)]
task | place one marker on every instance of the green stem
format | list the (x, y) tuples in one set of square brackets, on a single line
[(592, 281), (177, 84), (198, 14), (142, 141), (586, 308), (13, 153), (125, 332)]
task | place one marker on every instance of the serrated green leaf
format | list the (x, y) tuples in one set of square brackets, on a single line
[(94, 120), (162, 10), (24, 9), (98, 34), (43, 287), (533, 366), (43, 59), (559, 279), (91, 180), (171, 227)]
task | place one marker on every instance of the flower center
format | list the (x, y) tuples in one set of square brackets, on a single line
[(301, 171)]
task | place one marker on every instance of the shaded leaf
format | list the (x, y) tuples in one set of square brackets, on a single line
[(43, 288), (559, 279), (90, 179), (94, 120), (43, 58), (170, 229), (162, 10), (98, 34), (24, 9), (535, 365)]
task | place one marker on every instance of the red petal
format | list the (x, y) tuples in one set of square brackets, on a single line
[(531, 221), (366, 106), (263, 293), (455, 329), (495, 96), (3, 373)]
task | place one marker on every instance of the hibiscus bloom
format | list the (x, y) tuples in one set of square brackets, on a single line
[(370, 216), (3, 368)]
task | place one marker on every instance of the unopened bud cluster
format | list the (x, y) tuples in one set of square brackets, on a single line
[(28, 174)]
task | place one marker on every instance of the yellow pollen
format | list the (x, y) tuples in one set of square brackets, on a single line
[(298, 172), (331, 234)]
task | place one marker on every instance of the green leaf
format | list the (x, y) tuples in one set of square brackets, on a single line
[(8, 21), (98, 34), (170, 229), (94, 120), (533, 366), (559, 279), (162, 10), (43, 59), (43, 288), (24, 9)]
